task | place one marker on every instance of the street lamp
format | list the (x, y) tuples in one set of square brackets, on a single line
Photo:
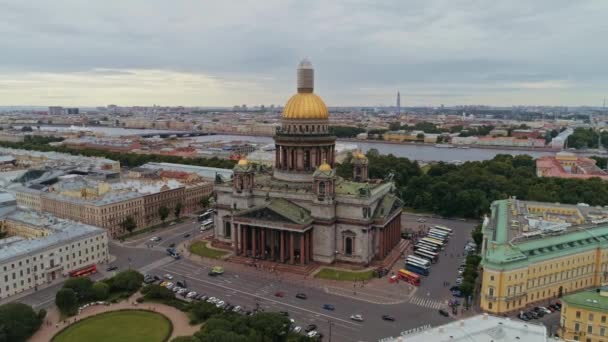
[(330, 324)]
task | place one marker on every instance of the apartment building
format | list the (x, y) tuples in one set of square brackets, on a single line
[(584, 316)]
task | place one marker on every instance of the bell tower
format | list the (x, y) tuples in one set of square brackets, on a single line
[(243, 184), (360, 167)]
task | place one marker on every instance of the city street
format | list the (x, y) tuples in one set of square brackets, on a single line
[(251, 288)]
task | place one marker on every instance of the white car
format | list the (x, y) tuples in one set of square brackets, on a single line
[(170, 286), (220, 303), (357, 318), (547, 311), (236, 308), (155, 239), (191, 294), (421, 220), (168, 276), (212, 300), (313, 333), (297, 329)]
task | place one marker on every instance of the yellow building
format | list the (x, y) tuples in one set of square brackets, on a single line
[(536, 252), (584, 316)]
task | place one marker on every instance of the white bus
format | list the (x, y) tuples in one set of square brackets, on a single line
[(418, 260), (436, 236), (433, 242), (205, 216), (425, 246), (444, 229), (207, 224), (419, 264), (439, 232), (428, 255)]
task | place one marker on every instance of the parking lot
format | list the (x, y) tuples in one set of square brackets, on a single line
[(434, 289)]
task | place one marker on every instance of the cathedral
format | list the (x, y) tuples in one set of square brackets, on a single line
[(300, 211)]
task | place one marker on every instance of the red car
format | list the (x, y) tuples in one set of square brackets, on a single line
[(279, 294)]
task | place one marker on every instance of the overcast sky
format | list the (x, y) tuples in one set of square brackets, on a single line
[(222, 53)]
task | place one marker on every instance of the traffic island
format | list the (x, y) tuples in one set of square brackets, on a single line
[(331, 273), (205, 250)]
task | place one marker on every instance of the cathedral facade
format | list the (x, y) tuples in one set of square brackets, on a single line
[(300, 210)]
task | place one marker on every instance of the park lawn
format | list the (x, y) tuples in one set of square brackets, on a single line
[(329, 273), (118, 326), (200, 248)]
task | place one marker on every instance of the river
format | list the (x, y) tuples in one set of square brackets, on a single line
[(415, 152)]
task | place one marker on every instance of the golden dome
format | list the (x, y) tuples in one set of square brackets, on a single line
[(243, 162), (359, 155), (305, 106), (324, 167)]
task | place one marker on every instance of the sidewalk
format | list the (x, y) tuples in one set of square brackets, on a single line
[(52, 325)]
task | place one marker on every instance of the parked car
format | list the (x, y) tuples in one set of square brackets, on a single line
[(168, 276), (444, 313), (181, 283), (170, 286), (388, 318), (155, 239), (523, 317), (357, 318), (111, 268), (301, 296), (313, 334), (191, 294), (284, 313), (187, 235), (328, 307), (310, 327), (279, 294), (237, 308), (297, 329)]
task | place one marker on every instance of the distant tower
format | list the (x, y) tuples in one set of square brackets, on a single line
[(398, 103)]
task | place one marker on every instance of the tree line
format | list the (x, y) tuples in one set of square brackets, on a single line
[(467, 190)]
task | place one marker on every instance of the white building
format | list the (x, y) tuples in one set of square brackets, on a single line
[(40, 248), (480, 328)]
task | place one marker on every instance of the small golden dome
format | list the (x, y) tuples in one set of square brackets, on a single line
[(324, 167), (305, 106), (359, 155), (243, 162)]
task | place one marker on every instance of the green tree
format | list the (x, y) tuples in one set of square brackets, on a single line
[(155, 291), (82, 286), (477, 236), (18, 322), (420, 136), (67, 301), (129, 280), (177, 210), (202, 311), (204, 201), (185, 339), (129, 224), (101, 291), (163, 212), (26, 129)]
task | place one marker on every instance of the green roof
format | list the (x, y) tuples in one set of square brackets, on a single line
[(590, 300), (290, 210), (388, 204)]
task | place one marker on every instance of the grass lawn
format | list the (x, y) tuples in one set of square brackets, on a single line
[(118, 326), (200, 248), (328, 273)]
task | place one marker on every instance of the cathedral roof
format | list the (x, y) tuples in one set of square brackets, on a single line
[(279, 209), (305, 106), (387, 206)]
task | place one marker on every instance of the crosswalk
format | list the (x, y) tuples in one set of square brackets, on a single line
[(427, 302)]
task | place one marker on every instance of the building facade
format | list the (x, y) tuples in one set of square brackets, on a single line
[(40, 248), (535, 252), (300, 210), (584, 316)]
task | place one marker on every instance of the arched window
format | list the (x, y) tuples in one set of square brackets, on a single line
[(227, 230), (348, 246), (322, 188), (307, 159)]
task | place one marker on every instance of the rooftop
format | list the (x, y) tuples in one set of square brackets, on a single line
[(59, 231), (525, 231), (480, 328), (594, 299), (203, 171)]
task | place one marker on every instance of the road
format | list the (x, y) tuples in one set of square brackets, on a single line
[(250, 287)]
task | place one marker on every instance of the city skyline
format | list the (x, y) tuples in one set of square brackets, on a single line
[(194, 54)]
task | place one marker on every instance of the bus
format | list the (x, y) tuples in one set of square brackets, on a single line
[(207, 224), (432, 257), (428, 250), (84, 271), (440, 233), (422, 244), (205, 216), (435, 236), (409, 277), (417, 269), (434, 242), (444, 229), (418, 260)]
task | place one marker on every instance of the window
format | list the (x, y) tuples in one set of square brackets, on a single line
[(591, 317), (602, 331), (578, 314), (603, 319), (589, 329), (577, 326), (491, 278)]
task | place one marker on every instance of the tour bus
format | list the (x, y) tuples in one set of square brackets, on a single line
[(417, 268), (440, 233), (444, 229), (205, 216), (83, 272), (422, 244), (428, 250), (434, 242), (418, 260), (206, 225), (432, 257), (429, 238), (409, 277), (437, 236)]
